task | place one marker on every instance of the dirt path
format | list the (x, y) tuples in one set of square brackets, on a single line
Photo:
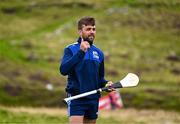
[(41, 110), (141, 116), (122, 115)]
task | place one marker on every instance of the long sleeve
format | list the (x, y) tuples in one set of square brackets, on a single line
[(101, 74), (69, 60)]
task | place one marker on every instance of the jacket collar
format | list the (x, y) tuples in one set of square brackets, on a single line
[(79, 40)]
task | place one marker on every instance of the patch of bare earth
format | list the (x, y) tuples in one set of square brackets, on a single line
[(142, 116), (128, 116), (41, 110)]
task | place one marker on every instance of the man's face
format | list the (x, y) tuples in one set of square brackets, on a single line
[(88, 33)]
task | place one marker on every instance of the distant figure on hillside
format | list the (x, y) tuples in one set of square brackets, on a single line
[(83, 62)]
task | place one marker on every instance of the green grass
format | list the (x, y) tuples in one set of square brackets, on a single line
[(136, 36), (9, 117)]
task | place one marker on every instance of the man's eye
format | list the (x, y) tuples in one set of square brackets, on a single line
[(88, 29)]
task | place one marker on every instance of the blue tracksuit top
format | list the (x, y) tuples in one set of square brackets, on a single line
[(85, 70)]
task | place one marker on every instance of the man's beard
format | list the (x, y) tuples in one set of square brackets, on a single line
[(89, 39)]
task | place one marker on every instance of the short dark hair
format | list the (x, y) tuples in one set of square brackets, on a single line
[(86, 21)]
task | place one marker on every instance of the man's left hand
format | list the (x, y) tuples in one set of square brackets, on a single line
[(109, 84)]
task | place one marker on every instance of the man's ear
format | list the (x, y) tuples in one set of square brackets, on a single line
[(80, 32)]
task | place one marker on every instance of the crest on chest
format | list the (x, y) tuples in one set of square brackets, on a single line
[(95, 55)]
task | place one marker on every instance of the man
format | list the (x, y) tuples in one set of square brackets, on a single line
[(83, 62)]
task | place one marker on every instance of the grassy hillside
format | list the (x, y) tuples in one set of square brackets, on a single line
[(136, 36)]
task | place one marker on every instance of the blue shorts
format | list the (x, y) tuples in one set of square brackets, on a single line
[(84, 107)]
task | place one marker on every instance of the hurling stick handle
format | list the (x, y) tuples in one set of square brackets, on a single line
[(81, 95)]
